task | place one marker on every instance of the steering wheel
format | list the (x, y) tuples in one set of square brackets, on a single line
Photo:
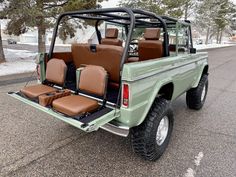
[(133, 47)]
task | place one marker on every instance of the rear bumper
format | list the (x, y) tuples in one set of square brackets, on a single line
[(116, 129)]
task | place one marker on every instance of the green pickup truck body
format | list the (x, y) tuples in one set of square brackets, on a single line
[(168, 78), (146, 79)]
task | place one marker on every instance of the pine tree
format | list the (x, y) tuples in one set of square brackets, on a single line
[(2, 56), (188, 7), (171, 8), (214, 16), (205, 16), (41, 14), (223, 17)]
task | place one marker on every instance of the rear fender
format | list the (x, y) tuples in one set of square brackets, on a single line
[(201, 72), (153, 96)]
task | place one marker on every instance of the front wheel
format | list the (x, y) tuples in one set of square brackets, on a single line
[(151, 138), (196, 97)]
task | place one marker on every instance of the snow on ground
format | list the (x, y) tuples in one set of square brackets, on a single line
[(23, 61), (18, 61), (35, 44), (211, 46), (13, 55)]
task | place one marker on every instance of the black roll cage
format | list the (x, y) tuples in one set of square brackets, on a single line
[(134, 18)]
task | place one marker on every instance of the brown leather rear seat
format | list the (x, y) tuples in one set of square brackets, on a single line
[(93, 80), (55, 73), (151, 47), (107, 56), (111, 37)]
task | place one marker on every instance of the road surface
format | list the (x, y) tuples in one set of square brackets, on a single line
[(203, 143)]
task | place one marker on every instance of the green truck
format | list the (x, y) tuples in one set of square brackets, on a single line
[(125, 81)]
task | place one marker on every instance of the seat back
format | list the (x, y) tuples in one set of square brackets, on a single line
[(111, 37), (56, 71), (107, 56), (151, 47), (93, 79)]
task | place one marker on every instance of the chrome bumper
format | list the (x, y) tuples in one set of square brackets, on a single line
[(116, 129)]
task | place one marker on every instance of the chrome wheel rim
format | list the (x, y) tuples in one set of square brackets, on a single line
[(203, 94), (162, 130)]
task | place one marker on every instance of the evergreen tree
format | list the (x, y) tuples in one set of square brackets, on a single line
[(223, 17), (188, 8), (2, 56), (41, 14), (205, 16), (214, 16), (171, 8)]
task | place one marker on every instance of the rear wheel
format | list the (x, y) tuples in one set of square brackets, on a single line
[(151, 138), (196, 97)]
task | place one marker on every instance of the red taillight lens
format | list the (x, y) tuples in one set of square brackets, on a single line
[(126, 95)]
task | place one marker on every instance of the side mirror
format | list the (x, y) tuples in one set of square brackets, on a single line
[(193, 50)]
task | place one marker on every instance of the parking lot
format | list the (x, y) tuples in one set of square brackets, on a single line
[(203, 143)]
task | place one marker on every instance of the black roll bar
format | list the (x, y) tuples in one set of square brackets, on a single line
[(98, 12), (133, 17), (165, 34)]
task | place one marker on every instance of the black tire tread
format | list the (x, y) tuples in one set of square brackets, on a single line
[(193, 96), (142, 136)]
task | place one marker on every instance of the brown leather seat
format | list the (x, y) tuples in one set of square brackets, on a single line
[(75, 105), (132, 59), (55, 73), (111, 37), (93, 80), (107, 56), (35, 91), (151, 47)]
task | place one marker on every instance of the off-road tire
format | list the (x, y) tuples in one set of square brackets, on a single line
[(143, 137), (194, 96)]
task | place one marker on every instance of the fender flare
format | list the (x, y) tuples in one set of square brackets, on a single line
[(158, 86), (205, 65)]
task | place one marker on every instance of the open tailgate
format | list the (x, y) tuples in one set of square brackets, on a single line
[(88, 124)]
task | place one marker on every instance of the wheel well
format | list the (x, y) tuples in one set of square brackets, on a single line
[(166, 91), (205, 70)]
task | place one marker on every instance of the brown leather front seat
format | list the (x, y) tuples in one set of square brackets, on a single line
[(151, 47), (111, 37), (55, 73), (93, 80)]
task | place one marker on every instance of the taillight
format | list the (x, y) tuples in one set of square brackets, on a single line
[(125, 95)]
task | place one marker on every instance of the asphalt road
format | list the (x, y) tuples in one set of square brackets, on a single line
[(203, 142)]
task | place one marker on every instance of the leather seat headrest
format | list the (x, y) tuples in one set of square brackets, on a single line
[(152, 33), (111, 37), (112, 33)]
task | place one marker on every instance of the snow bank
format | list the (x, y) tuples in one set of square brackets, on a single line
[(18, 61), (211, 46), (16, 55), (17, 67)]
